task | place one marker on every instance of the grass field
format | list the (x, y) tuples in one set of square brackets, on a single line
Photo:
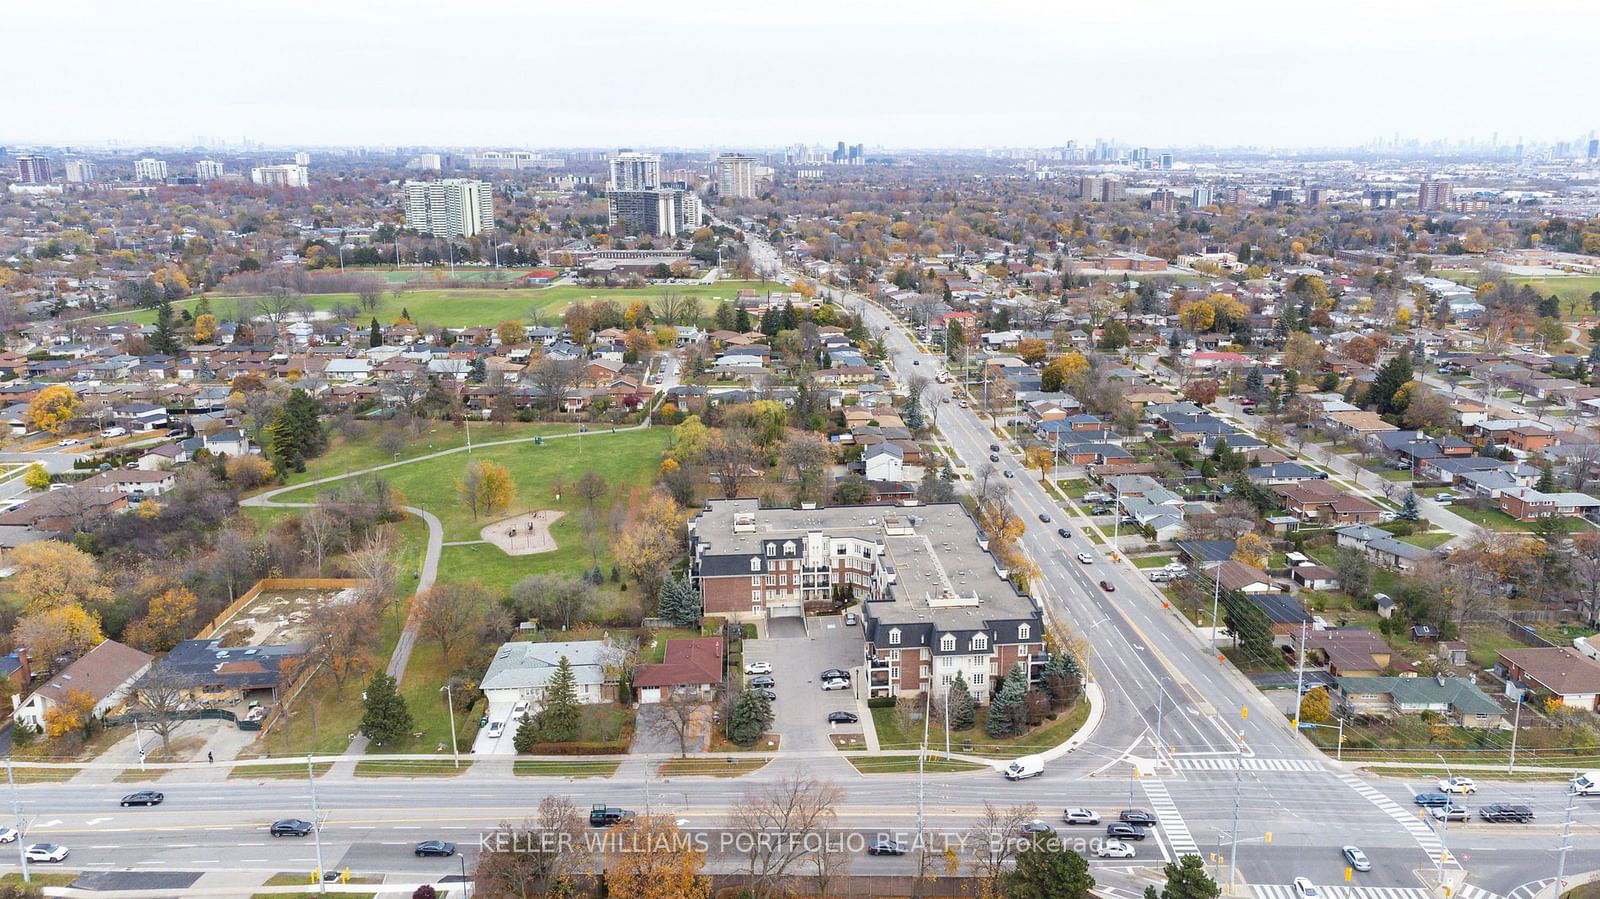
[(907, 764), (562, 768), (1050, 733), (286, 771), (465, 307), (710, 767), (1574, 290), (352, 455)]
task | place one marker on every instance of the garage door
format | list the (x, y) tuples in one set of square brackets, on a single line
[(649, 694), (786, 610)]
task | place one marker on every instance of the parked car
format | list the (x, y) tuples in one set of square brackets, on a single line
[(1009, 473), (886, 847), (1137, 816), (496, 728), (1305, 889), (1461, 785), (68, 442), (763, 681), (1356, 858), (1108, 586), (290, 827), (1449, 813), (835, 683), (1044, 517), (1085, 558), (850, 619), (843, 718), (46, 852), (441, 848), (758, 668), (771, 696), (143, 797), (1117, 830), (602, 815), (1114, 849), (1430, 799), (1080, 816), (520, 710), (1501, 813), (834, 674), (1159, 576)]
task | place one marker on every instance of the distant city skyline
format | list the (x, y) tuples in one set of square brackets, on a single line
[(930, 75)]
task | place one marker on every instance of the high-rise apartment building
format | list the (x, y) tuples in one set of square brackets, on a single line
[(426, 161), (1433, 194), (1316, 196), (302, 159), (1280, 196), (287, 175), (1163, 201), (665, 212), (1113, 190), (453, 207), (33, 169), (82, 171), (635, 171), (207, 170), (736, 176), (1379, 198), (1088, 187), (1166, 161), (1594, 149), (1201, 196), (149, 170)]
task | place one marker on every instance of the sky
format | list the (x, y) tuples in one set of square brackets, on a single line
[(770, 73)]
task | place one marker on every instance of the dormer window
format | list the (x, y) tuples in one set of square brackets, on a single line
[(755, 563), (980, 642), (947, 643), (894, 636), (772, 549), (788, 548), (1024, 631)]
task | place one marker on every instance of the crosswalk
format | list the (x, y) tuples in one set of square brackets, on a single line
[(1172, 826), (1287, 891), (1226, 763), (1528, 890), (1407, 818)]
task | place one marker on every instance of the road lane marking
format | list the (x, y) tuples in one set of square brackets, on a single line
[(1172, 824)]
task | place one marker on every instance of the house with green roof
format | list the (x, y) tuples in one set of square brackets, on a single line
[(1457, 699)]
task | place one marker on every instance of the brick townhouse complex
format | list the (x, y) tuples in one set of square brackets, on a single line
[(934, 601)]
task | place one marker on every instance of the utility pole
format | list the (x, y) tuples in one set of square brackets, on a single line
[(1300, 676), (450, 703), (1238, 790), (138, 742), (316, 825), (1216, 599), (22, 854), (1561, 850), (1516, 719)]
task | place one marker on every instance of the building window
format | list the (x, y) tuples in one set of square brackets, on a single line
[(894, 673), (755, 563), (772, 549), (894, 636), (1023, 631), (946, 680), (981, 641), (755, 581), (978, 677), (755, 599), (894, 656), (788, 549), (947, 643)]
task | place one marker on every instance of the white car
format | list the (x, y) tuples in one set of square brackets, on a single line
[(1461, 785), (8, 834), (46, 852), (758, 668), (1305, 889), (1080, 816), (519, 710), (835, 683), (1085, 558), (68, 442), (496, 728), (1114, 849)]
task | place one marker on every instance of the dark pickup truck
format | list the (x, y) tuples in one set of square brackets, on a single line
[(605, 816)]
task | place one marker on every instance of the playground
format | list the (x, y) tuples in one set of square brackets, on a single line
[(525, 534)]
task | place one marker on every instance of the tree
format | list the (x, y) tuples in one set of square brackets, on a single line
[(158, 701), (295, 434), (526, 736), (205, 328), (558, 720), (1390, 378), (1062, 371), (591, 488), (375, 334), (485, 487), (1315, 706), (1005, 708), (1047, 869), (1428, 409), (653, 859), (1355, 573), (64, 631), (1249, 625), (963, 713), (1187, 879), (166, 338), (991, 841), (690, 438), (1201, 392), (750, 718), (36, 478), (52, 408), (1031, 350), (553, 599), (165, 623), (676, 715), (446, 613), (1252, 550), (1302, 353), (1113, 335), (801, 807), (386, 718), (511, 332), (651, 542), (74, 711), (540, 859), (934, 488), (852, 490), (1547, 479), (678, 601), (50, 574)]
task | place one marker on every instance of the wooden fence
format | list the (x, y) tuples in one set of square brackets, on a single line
[(272, 583)]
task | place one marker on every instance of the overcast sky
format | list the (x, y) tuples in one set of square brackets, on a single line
[(758, 73)]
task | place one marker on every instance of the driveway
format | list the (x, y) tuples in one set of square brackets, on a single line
[(801, 712)]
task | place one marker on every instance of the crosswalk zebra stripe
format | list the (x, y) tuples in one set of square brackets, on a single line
[(1468, 891), (1250, 764), (1172, 825), (1531, 889), (1287, 891), (1419, 831)]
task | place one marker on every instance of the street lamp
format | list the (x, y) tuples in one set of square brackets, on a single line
[(16, 810), (450, 703)]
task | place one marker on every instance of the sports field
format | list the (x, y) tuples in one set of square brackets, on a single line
[(470, 306)]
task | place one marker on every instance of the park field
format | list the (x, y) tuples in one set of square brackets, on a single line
[(1574, 290), (470, 306)]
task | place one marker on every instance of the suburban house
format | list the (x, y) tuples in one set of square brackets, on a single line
[(212, 674), (523, 669), (884, 462), (690, 667), (1528, 504), (1321, 501), (1454, 698), (1382, 548), (1558, 671), (1349, 651), (106, 672), (1244, 578), (1314, 577)]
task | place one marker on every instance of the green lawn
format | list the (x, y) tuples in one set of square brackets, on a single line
[(1152, 561), (381, 767), (701, 766), (1573, 290), (286, 771), (465, 307), (352, 455), (907, 764), (544, 768), (1500, 521), (1050, 733), (1428, 541), (628, 461), (1484, 644)]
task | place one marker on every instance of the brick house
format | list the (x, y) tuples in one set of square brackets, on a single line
[(1554, 671), (1528, 504)]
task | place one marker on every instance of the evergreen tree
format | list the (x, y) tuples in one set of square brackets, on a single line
[(722, 319), (933, 488), (1251, 629), (1062, 678), (1408, 508), (558, 720), (963, 712), (741, 320), (1187, 879), (1254, 383), (789, 320), (166, 340), (677, 602), (527, 735), (386, 718), (1005, 708), (295, 434), (1047, 869), (1391, 377), (911, 414), (771, 321), (479, 371), (751, 716), (1547, 479), (375, 334)]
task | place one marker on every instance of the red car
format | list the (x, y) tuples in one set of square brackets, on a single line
[(1108, 587)]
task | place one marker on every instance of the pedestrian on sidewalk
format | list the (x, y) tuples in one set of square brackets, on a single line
[(210, 757)]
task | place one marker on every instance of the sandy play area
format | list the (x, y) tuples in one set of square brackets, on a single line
[(523, 535)]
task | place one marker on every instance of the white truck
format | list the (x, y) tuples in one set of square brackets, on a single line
[(1587, 784), (1025, 767)]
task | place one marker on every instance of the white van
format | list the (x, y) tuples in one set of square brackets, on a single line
[(1025, 767), (1587, 784), (114, 432)]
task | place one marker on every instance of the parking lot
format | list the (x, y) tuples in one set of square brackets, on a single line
[(801, 712)]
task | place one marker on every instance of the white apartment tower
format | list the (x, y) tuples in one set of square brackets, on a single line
[(150, 170), (302, 159), (207, 170), (453, 207), (736, 176), (635, 171), (81, 171), (287, 175)]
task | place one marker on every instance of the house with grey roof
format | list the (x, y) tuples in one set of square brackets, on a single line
[(523, 669), (1456, 699)]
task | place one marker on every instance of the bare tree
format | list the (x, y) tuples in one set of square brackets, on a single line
[(445, 612), (552, 378), (319, 530), (799, 806), (158, 703), (373, 562), (280, 304), (992, 842), (676, 717), (541, 858), (592, 488), (728, 456)]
